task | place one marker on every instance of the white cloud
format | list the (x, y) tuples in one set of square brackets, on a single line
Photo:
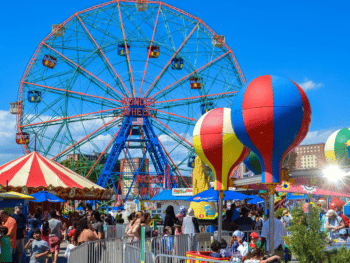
[(9, 150), (319, 136), (309, 84)]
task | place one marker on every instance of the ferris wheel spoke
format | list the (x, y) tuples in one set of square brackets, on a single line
[(173, 114), (168, 63), (178, 140), (171, 160), (127, 53), (90, 136), (102, 154), (193, 99), (178, 83), (64, 91), (75, 118), (81, 68), (104, 56), (167, 127), (149, 53), (177, 120)]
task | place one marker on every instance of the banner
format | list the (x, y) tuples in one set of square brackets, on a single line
[(182, 191)]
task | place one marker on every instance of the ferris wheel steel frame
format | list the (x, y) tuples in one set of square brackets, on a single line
[(120, 92)]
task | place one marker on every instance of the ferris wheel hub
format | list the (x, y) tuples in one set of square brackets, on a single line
[(137, 107)]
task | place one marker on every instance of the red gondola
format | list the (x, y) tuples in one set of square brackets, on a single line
[(196, 83), (24, 139), (153, 51), (49, 61)]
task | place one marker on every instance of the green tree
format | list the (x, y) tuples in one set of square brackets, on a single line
[(83, 167), (290, 160), (307, 242)]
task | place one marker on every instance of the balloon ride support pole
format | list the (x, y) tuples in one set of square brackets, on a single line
[(221, 198), (271, 224)]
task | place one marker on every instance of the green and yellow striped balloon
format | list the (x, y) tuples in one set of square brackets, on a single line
[(336, 148)]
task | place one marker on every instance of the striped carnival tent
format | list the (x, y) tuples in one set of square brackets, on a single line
[(33, 173)]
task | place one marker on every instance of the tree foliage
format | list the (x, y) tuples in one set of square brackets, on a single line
[(307, 242), (83, 167)]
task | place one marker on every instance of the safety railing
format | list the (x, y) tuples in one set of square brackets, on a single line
[(115, 231), (100, 251), (178, 259), (133, 254)]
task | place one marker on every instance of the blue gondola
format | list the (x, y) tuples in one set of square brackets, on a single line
[(191, 159), (34, 96), (177, 63), (205, 107), (122, 49)]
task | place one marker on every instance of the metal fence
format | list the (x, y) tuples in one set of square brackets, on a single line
[(101, 251), (180, 259), (133, 255), (115, 231), (168, 249)]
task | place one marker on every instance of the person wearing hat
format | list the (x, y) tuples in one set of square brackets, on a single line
[(334, 223), (237, 243), (255, 241), (72, 243), (21, 226)]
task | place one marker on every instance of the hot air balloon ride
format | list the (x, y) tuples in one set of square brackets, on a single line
[(271, 115), (217, 145), (252, 163), (336, 147)]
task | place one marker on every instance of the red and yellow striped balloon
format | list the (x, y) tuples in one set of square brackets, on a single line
[(217, 145)]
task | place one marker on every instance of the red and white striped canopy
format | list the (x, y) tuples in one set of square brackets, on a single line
[(34, 170)]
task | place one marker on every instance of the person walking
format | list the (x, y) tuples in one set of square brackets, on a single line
[(11, 225), (170, 218), (55, 226), (279, 232), (21, 227)]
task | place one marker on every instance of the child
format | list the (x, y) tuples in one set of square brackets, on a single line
[(72, 244), (215, 247), (39, 248), (6, 251), (255, 241), (224, 251), (168, 240)]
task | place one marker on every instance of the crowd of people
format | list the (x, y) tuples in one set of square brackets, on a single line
[(42, 234), (46, 231)]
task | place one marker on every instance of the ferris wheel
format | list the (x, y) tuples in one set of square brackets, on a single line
[(125, 79)]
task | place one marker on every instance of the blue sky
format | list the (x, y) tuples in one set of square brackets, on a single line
[(306, 41)]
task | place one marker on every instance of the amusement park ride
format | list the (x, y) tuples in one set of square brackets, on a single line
[(125, 79)]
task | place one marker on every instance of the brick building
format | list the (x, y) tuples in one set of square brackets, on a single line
[(82, 157), (310, 156), (127, 169)]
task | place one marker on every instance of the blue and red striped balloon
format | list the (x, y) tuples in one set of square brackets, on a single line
[(271, 116)]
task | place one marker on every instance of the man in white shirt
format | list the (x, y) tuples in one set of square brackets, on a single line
[(279, 232)]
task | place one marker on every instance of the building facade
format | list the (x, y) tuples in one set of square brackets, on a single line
[(310, 156), (128, 171)]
